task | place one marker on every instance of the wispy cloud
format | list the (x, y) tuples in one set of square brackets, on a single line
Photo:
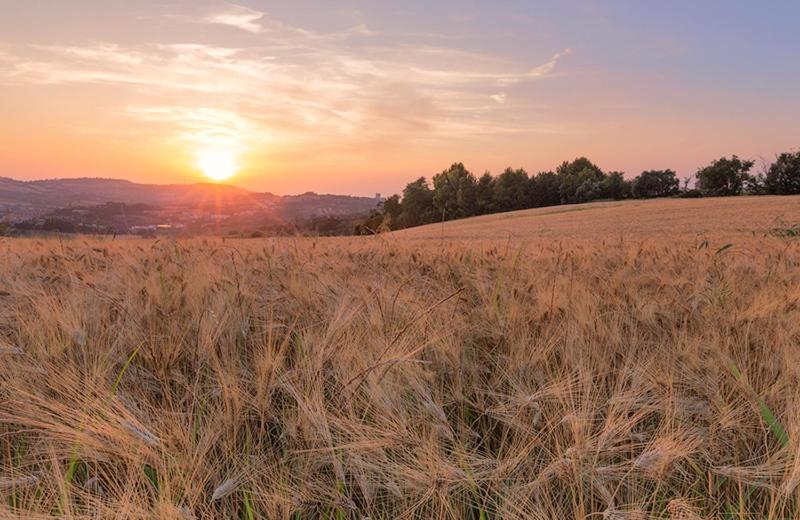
[(201, 126), (238, 16), (499, 98), (259, 22), (292, 86)]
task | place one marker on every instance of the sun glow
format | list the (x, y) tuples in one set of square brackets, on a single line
[(217, 164)]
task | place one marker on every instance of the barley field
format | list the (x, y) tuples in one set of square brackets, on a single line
[(714, 218), (605, 361)]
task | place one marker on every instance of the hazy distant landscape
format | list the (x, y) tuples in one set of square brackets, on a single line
[(108, 206), (111, 206)]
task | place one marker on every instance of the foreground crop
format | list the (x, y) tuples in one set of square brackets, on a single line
[(383, 379)]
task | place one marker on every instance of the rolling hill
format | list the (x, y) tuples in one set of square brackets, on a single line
[(63, 192), (722, 217), (20, 200)]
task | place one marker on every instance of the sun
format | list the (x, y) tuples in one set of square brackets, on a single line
[(217, 164)]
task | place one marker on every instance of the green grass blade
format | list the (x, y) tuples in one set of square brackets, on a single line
[(124, 368), (248, 506), (151, 475), (72, 468), (774, 424), (766, 414)]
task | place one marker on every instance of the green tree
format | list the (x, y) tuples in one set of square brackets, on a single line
[(391, 210), (655, 183), (755, 184), (484, 194), (511, 190), (545, 190), (417, 204), (724, 176), (614, 186), (588, 190), (783, 177), (579, 179), (454, 193)]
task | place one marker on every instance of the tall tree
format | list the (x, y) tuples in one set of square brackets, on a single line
[(391, 210), (580, 179), (454, 193), (724, 176), (783, 177), (484, 194), (417, 204), (511, 190), (545, 190)]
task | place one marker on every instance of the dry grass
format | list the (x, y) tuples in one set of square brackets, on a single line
[(616, 377), (717, 218)]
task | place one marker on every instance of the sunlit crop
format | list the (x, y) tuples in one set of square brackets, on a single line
[(404, 377)]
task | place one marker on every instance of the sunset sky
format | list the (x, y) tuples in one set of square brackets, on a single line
[(363, 97)]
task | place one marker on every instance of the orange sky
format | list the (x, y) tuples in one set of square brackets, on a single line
[(366, 98)]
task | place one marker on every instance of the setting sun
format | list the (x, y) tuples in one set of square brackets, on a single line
[(217, 164)]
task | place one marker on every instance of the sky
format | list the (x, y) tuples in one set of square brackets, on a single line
[(359, 97)]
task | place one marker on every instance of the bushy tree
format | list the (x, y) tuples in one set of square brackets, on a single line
[(589, 190), (417, 204), (655, 183), (454, 193), (511, 190), (484, 194), (579, 179), (391, 210), (614, 186), (755, 184), (724, 176), (545, 190), (783, 177)]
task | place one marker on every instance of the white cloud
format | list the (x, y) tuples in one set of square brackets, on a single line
[(238, 16), (291, 85), (201, 125)]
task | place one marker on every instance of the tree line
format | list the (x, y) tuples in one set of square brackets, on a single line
[(457, 193)]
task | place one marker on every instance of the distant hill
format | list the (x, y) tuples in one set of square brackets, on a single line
[(22, 200), (64, 192)]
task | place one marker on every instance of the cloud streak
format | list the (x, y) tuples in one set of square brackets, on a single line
[(291, 87), (239, 17)]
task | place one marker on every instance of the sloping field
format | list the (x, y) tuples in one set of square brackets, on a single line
[(714, 217), (388, 377)]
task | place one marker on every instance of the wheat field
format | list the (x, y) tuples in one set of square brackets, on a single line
[(581, 364), (715, 218)]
